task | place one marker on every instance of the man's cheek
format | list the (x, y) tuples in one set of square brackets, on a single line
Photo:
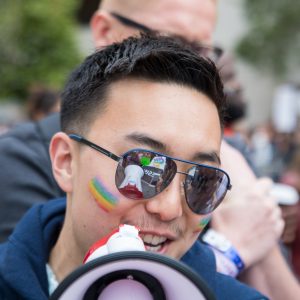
[(202, 223), (105, 198)]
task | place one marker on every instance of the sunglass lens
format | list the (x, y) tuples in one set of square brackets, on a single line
[(205, 188), (144, 174)]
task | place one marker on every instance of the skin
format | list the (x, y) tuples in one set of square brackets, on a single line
[(202, 224), (105, 199), (193, 19), (167, 214), (257, 217), (250, 208)]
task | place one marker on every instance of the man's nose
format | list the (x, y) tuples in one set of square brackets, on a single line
[(168, 204)]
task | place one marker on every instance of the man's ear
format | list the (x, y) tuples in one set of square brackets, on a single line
[(102, 29), (62, 154)]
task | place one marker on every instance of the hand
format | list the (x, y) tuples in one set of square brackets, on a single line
[(251, 220)]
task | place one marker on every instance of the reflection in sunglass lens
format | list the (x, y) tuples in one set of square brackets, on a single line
[(141, 174), (205, 188)]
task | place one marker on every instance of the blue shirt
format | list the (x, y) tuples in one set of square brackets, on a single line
[(24, 256)]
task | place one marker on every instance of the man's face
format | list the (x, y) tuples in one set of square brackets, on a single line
[(168, 118), (193, 19)]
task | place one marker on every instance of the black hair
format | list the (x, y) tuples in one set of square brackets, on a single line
[(41, 101), (148, 57), (236, 108)]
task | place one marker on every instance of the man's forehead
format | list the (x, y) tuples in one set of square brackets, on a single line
[(194, 19), (191, 19), (154, 115)]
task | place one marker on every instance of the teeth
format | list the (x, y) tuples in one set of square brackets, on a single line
[(153, 240), (153, 249)]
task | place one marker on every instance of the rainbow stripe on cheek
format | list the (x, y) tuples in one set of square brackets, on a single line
[(106, 200), (202, 224)]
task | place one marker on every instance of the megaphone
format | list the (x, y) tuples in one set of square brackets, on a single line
[(131, 275), (131, 185)]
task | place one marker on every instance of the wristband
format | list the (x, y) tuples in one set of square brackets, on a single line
[(222, 247), (224, 265)]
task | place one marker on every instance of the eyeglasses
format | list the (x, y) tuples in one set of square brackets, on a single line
[(212, 52), (143, 174)]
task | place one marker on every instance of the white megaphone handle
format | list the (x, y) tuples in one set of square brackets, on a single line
[(133, 175), (126, 238)]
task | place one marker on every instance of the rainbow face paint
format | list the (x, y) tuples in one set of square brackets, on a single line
[(202, 224), (106, 200)]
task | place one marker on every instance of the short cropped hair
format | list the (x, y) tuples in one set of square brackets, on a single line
[(148, 57)]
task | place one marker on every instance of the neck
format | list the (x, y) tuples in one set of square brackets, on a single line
[(64, 257)]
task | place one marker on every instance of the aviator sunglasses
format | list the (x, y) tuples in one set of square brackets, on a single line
[(143, 174), (212, 52)]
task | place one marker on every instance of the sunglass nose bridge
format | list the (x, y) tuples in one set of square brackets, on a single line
[(182, 182), (180, 172)]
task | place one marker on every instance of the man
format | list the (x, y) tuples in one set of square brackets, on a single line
[(120, 108), (25, 163)]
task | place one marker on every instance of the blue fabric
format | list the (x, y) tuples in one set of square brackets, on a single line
[(23, 259), (25, 159)]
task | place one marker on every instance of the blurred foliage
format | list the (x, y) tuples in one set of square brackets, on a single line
[(273, 41), (37, 44)]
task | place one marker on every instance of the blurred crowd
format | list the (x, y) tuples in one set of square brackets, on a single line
[(273, 150)]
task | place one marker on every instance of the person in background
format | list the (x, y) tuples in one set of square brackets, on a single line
[(291, 237), (41, 102), (234, 121)]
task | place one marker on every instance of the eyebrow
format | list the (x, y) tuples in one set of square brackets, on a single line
[(147, 141), (207, 156), (158, 146)]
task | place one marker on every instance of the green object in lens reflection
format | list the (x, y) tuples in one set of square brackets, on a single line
[(145, 161)]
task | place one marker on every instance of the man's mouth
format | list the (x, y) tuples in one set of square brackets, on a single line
[(154, 243)]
